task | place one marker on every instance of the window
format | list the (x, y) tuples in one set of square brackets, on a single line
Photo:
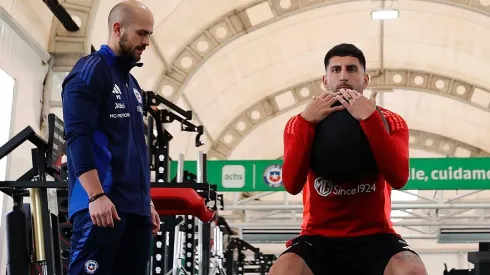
[(6, 101)]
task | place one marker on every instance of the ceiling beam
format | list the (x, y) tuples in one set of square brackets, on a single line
[(387, 79)]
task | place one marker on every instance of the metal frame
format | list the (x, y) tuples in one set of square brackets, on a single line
[(33, 183), (421, 218), (46, 158), (479, 258), (158, 148), (261, 263), (189, 227)]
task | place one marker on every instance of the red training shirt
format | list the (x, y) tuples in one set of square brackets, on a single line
[(342, 209)]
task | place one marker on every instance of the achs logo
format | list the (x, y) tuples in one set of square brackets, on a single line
[(273, 176), (91, 266), (138, 95), (323, 187)]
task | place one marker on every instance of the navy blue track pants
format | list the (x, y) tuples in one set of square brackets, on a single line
[(124, 249)]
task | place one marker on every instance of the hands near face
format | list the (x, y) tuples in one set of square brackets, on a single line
[(359, 106), (320, 107)]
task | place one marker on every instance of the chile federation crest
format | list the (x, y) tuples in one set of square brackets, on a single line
[(273, 176)]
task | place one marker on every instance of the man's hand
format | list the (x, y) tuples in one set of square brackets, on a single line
[(155, 219), (358, 105), (103, 212), (320, 107)]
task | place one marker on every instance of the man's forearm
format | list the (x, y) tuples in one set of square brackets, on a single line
[(390, 151), (91, 183), (297, 142)]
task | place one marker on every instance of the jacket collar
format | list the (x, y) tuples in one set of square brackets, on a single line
[(122, 64)]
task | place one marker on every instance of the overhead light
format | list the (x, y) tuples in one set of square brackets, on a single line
[(384, 14)]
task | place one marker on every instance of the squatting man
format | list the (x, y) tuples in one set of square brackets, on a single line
[(346, 154)]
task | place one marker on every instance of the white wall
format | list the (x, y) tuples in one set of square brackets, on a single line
[(7, 85), (32, 15), (24, 59)]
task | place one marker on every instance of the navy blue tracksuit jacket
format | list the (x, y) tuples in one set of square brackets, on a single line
[(104, 130), (103, 116)]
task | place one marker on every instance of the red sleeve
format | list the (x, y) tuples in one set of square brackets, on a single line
[(298, 139), (390, 149)]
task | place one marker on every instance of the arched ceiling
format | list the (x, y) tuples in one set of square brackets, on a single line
[(246, 66), (396, 82), (234, 58)]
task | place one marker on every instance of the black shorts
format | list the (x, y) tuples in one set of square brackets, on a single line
[(366, 255)]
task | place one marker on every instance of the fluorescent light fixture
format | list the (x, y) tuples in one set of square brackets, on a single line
[(384, 14)]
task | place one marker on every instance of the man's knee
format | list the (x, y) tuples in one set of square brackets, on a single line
[(418, 269), (290, 264), (405, 263)]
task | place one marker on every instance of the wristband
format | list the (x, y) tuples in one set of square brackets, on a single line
[(95, 197)]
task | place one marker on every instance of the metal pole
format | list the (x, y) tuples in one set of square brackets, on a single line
[(462, 196), (288, 226), (221, 245), (38, 227), (205, 250), (180, 169), (218, 243), (176, 249), (215, 238), (200, 162), (199, 245), (395, 206)]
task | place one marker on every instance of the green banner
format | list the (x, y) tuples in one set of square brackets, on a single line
[(425, 174)]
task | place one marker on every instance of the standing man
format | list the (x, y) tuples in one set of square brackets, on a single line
[(109, 174), (346, 225)]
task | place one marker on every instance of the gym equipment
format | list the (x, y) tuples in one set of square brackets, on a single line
[(457, 271), (480, 259), (38, 234), (231, 262), (187, 194), (261, 263), (32, 229), (218, 252)]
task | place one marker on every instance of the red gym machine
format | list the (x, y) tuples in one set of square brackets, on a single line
[(186, 195), (175, 200)]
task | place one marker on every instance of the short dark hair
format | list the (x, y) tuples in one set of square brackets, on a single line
[(345, 49)]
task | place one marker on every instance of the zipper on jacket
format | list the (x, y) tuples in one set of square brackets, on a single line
[(128, 97)]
